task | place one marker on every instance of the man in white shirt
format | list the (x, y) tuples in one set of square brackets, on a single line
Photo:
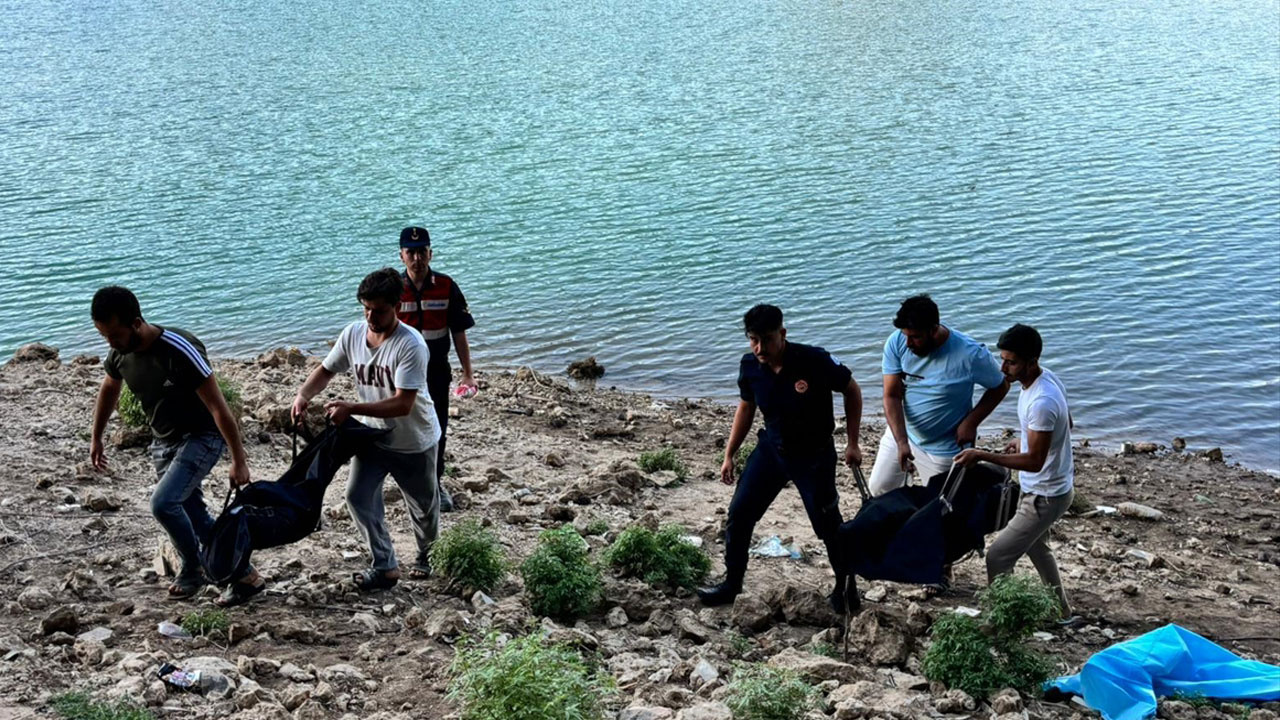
[(1043, 461), (388, 362)]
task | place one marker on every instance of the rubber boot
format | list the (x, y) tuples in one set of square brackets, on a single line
[(726, 591)]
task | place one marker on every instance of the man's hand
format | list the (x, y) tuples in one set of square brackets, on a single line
[(338, 411), (967, 433), (239, 473), (967, 457), (726, 471), (1012, 447), (96, 454), (905, 458), (299, 410), (853, 455)]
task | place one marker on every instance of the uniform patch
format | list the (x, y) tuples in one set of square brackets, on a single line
[(801, 386)]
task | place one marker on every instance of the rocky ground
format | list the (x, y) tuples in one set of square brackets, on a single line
[(80, 600)]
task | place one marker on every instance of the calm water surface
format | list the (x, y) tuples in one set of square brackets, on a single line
[(624, 179)]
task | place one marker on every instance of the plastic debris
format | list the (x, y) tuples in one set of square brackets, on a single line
[(773, 547), (177, 677), (169, 629), (967, 611)]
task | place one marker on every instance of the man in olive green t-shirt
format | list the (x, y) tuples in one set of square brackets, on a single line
[(167, 370)]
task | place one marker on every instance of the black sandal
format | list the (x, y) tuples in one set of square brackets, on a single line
[(238, 593), (186, 587), (371, 579)]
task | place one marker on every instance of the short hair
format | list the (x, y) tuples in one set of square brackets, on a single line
[(385, 285), (918, 312), (115, 303), (762, 319), (1023, 341)]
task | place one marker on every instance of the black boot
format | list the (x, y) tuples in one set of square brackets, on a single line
[(726, 591)]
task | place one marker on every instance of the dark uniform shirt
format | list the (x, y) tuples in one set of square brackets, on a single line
[(796, 402), (437, 311), (164, 378)]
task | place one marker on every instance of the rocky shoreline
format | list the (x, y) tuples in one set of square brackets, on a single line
[(82, 601)]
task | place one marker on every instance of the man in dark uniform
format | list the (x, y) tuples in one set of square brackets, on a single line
[(792, 385), (433, 304)]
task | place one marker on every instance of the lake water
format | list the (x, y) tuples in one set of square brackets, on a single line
[(624, 179)]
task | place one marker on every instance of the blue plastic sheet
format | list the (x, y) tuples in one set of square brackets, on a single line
[(1123, 681)]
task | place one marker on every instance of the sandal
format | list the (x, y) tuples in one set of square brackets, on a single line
[(420, 572), (371, 579), (186, 587), (238, 593)]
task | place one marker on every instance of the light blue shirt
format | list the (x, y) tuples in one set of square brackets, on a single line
[(940, 386)]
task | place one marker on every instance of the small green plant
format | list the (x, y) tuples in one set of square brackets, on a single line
[(980, 658), (740, 458), (1194, 699), (561, 580), (132, 413), (760, 692), (661, 558), (452, 471), (825, 649), (206, 622), (598, 526), (664, 459), (469, 556), (130, 409), (525, 678), (80, 706), (739, 645)]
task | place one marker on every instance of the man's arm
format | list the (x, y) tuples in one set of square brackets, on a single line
[(108, 394), (315, 383), (1030, 461), (463, 348), (742, 419), (211, 395), (895, 417), (852, 422), (397, 405), (967, 430)]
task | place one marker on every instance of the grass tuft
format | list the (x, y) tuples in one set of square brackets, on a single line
[(661, 558), (562, 582), (525, 678), (664, 459), (206, 622), (470, 556), (80, 706), (760, 692)]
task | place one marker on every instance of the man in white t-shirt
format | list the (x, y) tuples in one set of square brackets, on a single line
[(388, 362), (1042, 459)]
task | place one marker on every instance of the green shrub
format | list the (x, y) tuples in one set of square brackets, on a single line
[(80, 706), (1017, 605), (131, 413), (825, 649), (206, 622), (739, 645), (560, 579), (525, 679), (469, 556), (130, 409), (664, 459), (980, 658), (661, 558), (760, 692), (598, 526), (740, 458)]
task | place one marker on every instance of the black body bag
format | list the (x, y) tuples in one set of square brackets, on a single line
[(268, 514)]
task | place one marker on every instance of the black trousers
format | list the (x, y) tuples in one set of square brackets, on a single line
[(438, 388), (767, 471)]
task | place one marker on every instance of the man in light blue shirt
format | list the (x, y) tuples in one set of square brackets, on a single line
[(930, 372)]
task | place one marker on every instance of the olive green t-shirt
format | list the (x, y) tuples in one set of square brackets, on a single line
[(164, 378)]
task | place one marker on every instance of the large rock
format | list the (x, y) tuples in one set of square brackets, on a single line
[(706, 711), (955, 701), (281, 356), (1006, 701), (815, 668), (867, 699), (878, 638), (62, 619), (642, 712), (35, 598), (35, 352), (99, 501), (801, 605), (751, 613)]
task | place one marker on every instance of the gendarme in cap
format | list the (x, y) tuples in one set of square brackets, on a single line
[(414, 237)]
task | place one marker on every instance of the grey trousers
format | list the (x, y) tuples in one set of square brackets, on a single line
[(1028, 534), (415, 473)]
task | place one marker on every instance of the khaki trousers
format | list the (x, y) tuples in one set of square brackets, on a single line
[(1028, 534)]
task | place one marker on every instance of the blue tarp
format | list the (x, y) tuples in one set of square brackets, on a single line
[(1123, 681)]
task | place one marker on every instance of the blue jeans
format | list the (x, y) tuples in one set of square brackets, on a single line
[(177, 502)]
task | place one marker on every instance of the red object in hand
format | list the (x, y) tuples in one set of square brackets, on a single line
[(465, 391)]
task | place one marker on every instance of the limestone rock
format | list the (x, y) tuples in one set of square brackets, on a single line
[(642, 712), (616, 618), (1006, 701), (955, 701), (706, 711), (35, 598), (878, 638), (62, 619), (815, 668), (99, 501), (39, 352), (751, 613), (867, 699)]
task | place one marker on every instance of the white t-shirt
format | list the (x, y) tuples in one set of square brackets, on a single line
[(399, 362), (1043, 407)]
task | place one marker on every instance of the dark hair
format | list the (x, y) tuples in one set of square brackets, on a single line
[(917, 312), (115, 303), (385, 285), (762, 319), (1023, 341)]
